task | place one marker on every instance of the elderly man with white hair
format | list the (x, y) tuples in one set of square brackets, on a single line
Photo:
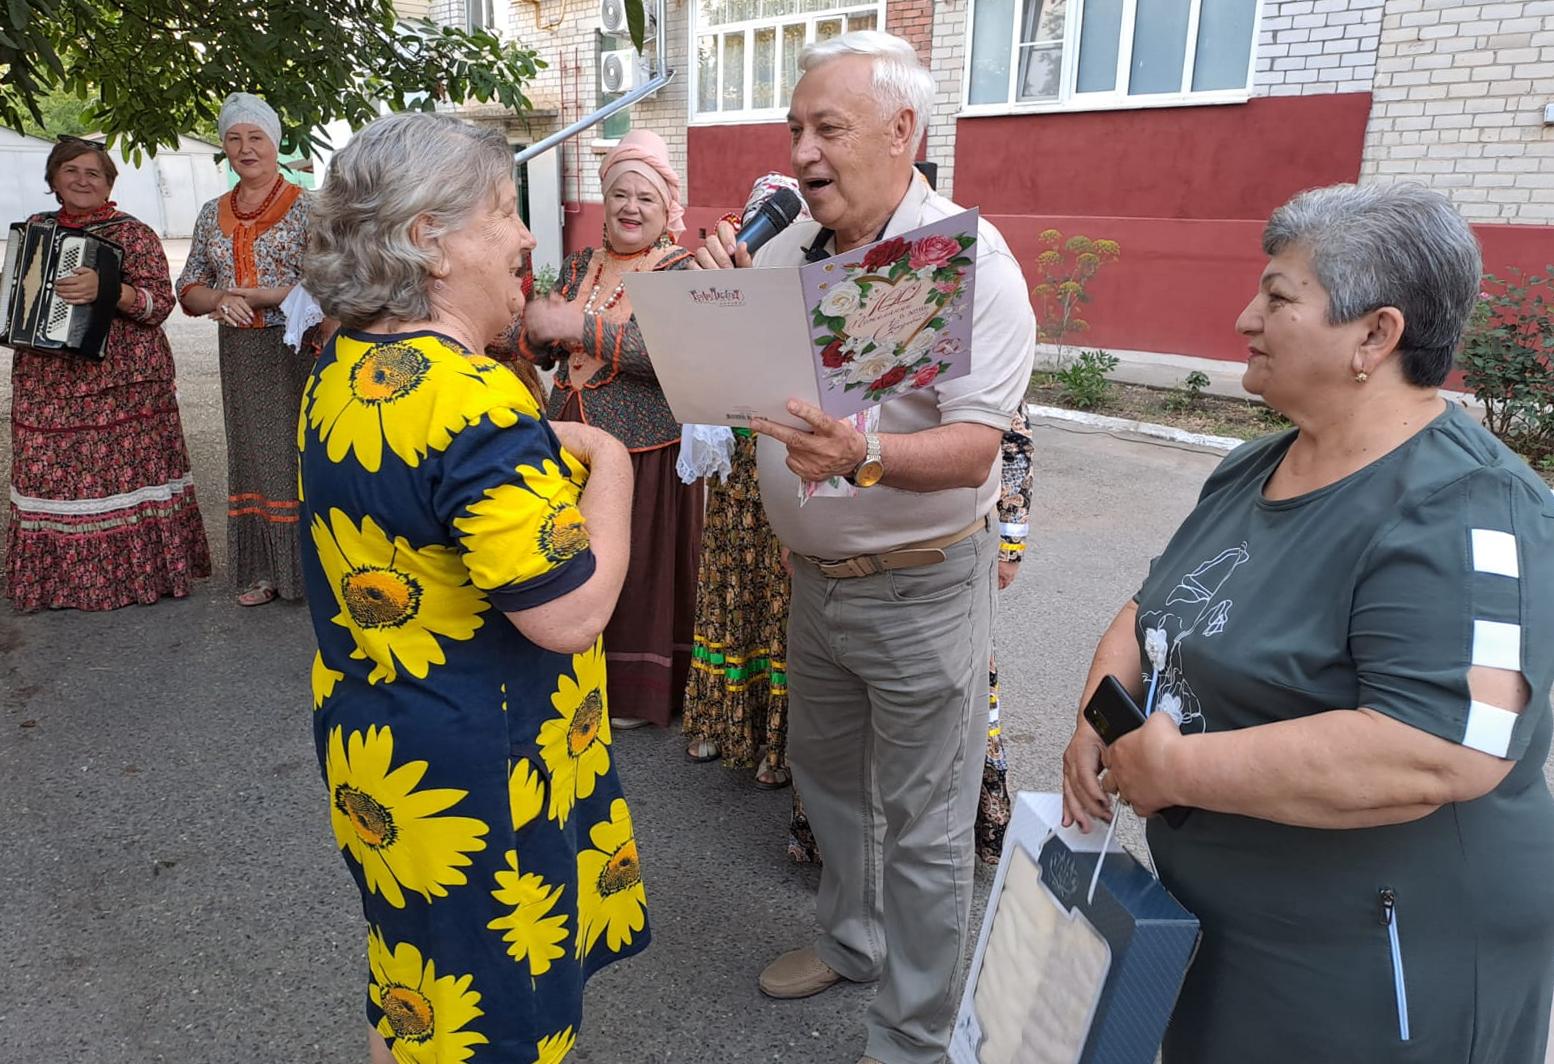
[(893, 589)]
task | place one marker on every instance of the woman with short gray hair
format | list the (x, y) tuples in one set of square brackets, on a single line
[(466, 753), (1344, 659)]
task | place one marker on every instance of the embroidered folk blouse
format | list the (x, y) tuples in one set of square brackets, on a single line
[(276, 253), (623, 397)]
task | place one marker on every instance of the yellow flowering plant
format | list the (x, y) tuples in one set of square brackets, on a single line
[(1065, 268)]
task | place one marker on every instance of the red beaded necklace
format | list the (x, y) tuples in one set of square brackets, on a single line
[(248, 216), (638, 262)]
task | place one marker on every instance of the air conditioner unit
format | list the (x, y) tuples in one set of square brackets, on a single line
[(612, 16), (621, 70)]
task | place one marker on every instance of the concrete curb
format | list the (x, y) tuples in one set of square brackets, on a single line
[(1145, 431)]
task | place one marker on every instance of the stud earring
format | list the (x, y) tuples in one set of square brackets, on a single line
[(1361, 377)]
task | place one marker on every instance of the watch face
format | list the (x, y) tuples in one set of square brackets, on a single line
[(869, 474)]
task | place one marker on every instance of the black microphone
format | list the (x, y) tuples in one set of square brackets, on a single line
[(776, 213)]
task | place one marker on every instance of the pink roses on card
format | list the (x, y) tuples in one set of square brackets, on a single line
[(935, 251)]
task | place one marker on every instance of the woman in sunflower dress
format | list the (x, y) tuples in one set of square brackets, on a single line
[(466, 753)]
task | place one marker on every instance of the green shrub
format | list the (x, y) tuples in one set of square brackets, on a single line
[(1508, 360), (1190, 396), (1085, 380)]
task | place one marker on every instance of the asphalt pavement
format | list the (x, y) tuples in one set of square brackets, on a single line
[(170, 890)]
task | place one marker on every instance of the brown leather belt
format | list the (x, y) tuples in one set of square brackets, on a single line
[(911, 556)]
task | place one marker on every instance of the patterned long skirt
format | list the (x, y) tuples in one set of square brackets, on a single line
[(737, 695), (102, 510), (261, 394), (993, 804)]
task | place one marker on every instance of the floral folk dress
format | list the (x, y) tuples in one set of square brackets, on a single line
[(470, 782), (103, 511)]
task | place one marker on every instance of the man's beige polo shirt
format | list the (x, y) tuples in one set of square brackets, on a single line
[(1003, 345)]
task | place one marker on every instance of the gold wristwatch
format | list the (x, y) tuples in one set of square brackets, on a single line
[(871, 470)]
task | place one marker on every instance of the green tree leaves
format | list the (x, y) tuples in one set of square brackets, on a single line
[(152, 69)]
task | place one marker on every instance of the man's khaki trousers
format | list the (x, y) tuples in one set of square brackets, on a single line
[(887, 704)]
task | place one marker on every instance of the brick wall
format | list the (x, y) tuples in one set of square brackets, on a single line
[(566, 36), (1459, 99), (913, 20), (665, 113), (951, 43), (1316, 46)]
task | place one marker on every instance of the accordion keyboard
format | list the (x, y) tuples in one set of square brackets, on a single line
[(57, 327)]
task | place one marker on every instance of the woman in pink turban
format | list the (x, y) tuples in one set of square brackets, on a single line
[(585, 330)]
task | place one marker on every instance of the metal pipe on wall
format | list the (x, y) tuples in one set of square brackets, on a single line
[(661, 77)]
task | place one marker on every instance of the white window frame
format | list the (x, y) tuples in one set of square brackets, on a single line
[(487, 16), (750, 115), (1069, 99)]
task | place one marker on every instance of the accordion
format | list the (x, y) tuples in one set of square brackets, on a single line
[(38, 255)]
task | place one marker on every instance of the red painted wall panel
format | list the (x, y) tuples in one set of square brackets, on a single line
[(1184, 191), (725, 160), (1177, 287), (1528, 247), (1180, 284), (1234, 161)]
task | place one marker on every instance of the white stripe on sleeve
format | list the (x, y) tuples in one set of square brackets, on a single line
[(1489, 729), (1497, 645), (1495, 552)]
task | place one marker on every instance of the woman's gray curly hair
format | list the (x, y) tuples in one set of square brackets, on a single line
[(361, 263)]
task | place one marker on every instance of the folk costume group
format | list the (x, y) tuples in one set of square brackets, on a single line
[(1347, 639)]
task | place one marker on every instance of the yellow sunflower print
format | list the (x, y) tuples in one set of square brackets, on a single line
[(610, 898), (395, 600), (324, 680), (390, 828), (573, 742), (302, 432), (514, 533), (426, 1017), (554, 1049), (414, 395), (486, 364), (526, 792), (530, 930)]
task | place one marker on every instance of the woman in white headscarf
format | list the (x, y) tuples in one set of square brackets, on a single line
[(245, 257)]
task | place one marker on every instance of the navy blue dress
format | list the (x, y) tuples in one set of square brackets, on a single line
[(471, 789)]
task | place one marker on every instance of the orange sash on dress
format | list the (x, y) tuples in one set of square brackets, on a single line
[(245, 272)]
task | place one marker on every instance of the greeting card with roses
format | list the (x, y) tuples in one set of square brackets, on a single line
[(893, 317), (844, 334)]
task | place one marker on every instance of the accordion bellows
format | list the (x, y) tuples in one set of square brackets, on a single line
[(39, 254)]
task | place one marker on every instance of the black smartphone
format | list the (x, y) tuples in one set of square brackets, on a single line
[(1112, 712)]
